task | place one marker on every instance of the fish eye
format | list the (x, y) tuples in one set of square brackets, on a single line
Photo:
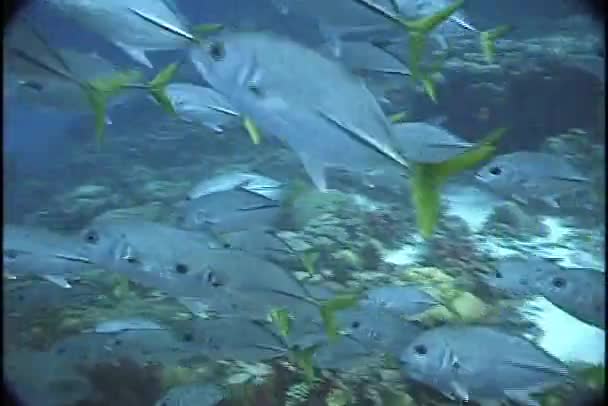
[(91, 237), (217, 51), (495, 170), (10, 254), (420, 349), (456, 365), (255, 89), (558, 282), (355, 324), (213, 280), (181, 268), (498, 275)]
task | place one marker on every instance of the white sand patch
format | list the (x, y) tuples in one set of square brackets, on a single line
[(557, 229), (471, 204), (564, 336), (408, 254)]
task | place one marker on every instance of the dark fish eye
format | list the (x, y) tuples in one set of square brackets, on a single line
[(255, 89), (91, 237), (213, 280), (37, 86), (420, 349), (456, 365), (495, 170), (187, 337), (131, 260), (181, 268), (558, 282), (355, 324), (217, 51), (498, 275), (10, 254)]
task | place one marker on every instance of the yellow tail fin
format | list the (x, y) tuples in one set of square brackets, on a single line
[(98, 91), (488, 41), (426, 180)]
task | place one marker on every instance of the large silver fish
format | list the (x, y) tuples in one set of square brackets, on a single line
[(449, 359), (201, 105), (113, 20), (525, 175), (35, 251)]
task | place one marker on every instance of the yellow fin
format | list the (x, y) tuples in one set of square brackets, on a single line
[(158, 85), (398, 117), (280, 318), (98, 91), (427, 179), (252, 130), (329, 309), (203, 30), (488, 39)]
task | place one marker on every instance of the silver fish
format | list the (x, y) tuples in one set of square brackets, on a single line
[(36, 251), (580, 292), (449, 359), (525, 176), (516, 277), (261, 243), (322, 116), (405, 301), (236, 339), (201, 105), (381, 332), (229, 211), (253, 182), (424, 142), (113, 20), (119, 325), (368, 58)]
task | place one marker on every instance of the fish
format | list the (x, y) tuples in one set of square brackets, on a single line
[(406, 301), (260, 242), (251, 181), (368, 58), (516, 277), (449, 359), (31, 250), (65, 79), (139, 345), (437, 18), (53, 93), (427, 143), (198, 394), (579, 292), (328, 117), (120, 325), (192, 269), (235, 339), (230, 211), (341, 19), (381, 332), (113, 20), (201, 105), (531, 176), (146, 252)]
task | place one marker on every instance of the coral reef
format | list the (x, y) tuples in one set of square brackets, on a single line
[(123, 382)]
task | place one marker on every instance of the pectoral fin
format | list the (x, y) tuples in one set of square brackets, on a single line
[(58, 280)]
